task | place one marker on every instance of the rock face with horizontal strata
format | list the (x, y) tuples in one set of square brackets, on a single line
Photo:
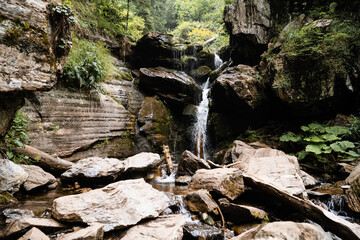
[(118, 205)]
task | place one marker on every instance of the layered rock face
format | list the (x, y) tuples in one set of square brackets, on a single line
[(26, 59), (75, 126), (248, 23)]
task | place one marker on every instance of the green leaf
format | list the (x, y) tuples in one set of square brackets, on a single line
[(342, 146), (315, 139), (9, 154), (337, 130), (314, 128), (353, 154), (290, 137), (302, 154), (18, 143), (315, 148), (329, 137)]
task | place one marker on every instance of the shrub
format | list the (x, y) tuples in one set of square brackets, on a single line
[(88, 64)]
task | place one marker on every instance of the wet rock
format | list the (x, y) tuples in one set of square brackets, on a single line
[(75, 126), (201, 202), (195, 231), (142, 162), (37, 177), (238, 89), (308, 180), (18, 227), (11, 176), (248, 23), (183, 180), (34, 234), (225, 181), (201, 73), (95, 168), (285, 230), (169, 227), (189, 163), (353, 194), (173, 85), (13, 214), (155, 121), (239, 214), (118, 205), (95, 232), (270, 165)]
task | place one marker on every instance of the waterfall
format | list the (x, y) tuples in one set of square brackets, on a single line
[(200, 136)]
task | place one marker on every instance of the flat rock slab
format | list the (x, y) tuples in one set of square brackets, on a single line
[(11, 176), (95, 232), (285, 230), (240, 213), (118, 205), (37, 177), (225, 181), (18, 227), (34, 234), (95, 167), (167, 227), (142, 162)]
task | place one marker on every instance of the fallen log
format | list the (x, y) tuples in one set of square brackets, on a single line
[(327, 220), (44, 160)]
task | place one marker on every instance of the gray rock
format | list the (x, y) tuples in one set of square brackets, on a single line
[(37, 177), (11, 176), (118, 205), (142, 162), (308, 180), (169, 227), (189, 163), (202, 231), (95, 168), (225, 181), (34, 234), (95, 232), (13, 214), (18, 227), (285, 230)]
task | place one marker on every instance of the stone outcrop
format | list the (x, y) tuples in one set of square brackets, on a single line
[(12, 176), (37, 177), (248, 23), (224, 181), (285, 230), (18, 227), (174, 86), (95, 232), (239, 89), (167, 227), (353, 194), (189, 164), (73, 126), (270, 165), (238, 214), (118, 205), (34, 234)]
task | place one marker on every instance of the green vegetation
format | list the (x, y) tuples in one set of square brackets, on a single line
[(88, 64), (326, 144), (17, 137)]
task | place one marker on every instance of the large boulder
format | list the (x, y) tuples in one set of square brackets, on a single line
[(37, 177), (175, 86), (239, 89), (12, 176), (94, 168), (167, 227), (270, 165), (142, 162), (285, 230), (189, 163), (118, 205), (18, 227), (353, 194), (248, 23), (227, 182)]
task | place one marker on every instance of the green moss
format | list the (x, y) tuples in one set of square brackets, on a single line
[(6, 198), (13, 35)]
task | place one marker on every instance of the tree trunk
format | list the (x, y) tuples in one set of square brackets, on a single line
[(45, 160)]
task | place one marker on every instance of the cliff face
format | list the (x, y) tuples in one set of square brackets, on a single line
[(26, 60)]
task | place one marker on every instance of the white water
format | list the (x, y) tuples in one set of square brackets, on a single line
[(217, 61), (166, 178)]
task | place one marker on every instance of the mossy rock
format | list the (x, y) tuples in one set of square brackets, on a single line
[(201, 73), (206, 58), (6, 198)]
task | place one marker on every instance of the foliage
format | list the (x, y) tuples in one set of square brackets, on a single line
[(250, 135), (324, 143), (88, 64), (17, 137)]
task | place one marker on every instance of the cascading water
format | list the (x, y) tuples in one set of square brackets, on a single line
[(202, 113)]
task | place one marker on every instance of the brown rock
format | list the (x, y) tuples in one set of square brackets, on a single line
[(353, 194), (225, 181), (37, 177), (95, 232), (200, 201), (189, 163), (34, 234)]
